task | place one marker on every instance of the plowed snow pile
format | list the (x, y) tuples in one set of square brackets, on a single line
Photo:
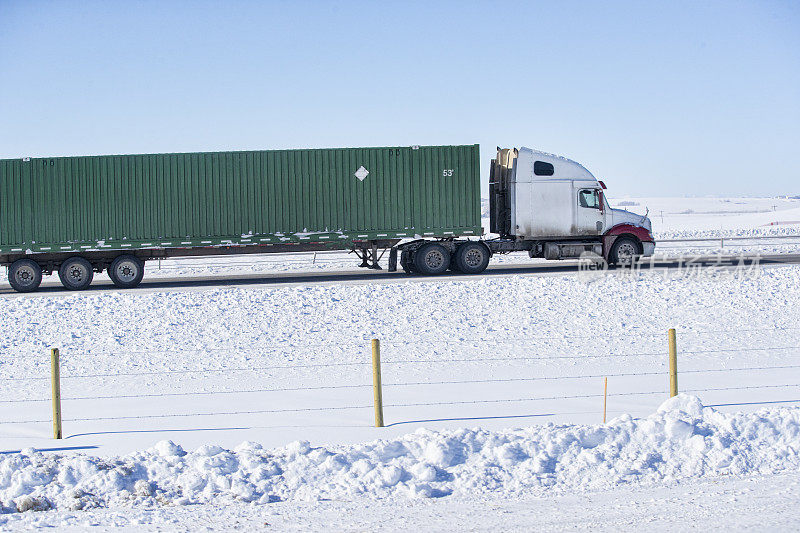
[(681, 440)]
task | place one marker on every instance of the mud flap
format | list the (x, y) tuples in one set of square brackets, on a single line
[(608, 241)]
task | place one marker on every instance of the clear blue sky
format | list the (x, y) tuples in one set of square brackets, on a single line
[(656, 98)]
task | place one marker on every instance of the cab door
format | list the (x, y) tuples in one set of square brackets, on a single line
[(589, 210)]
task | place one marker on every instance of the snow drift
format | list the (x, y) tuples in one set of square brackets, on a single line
[(683, 439)]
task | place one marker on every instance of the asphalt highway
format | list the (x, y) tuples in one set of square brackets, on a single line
[(51, 286)]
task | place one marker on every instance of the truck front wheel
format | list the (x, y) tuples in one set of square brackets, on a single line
[(24, 275), (126, 271), (472, 258), (624, 251), (431, 258)]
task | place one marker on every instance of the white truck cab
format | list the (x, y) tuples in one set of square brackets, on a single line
[(559, 207)]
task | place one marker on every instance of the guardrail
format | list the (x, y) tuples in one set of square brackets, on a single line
[(794, 239)]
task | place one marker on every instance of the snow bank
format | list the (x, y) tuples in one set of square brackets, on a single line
[(681, 440)]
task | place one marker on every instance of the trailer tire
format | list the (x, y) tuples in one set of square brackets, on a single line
[(431, 258), (624, 251), (126, 271), (472, 258), (24, 275), (76, 273)]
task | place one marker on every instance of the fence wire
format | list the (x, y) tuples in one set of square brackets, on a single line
[(360, 345), (403, 384), (394, 405)]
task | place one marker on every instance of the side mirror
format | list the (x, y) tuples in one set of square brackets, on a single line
[(602, 200)]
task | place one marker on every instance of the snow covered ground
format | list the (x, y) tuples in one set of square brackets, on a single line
[(286, 370), (205, 365), (759, 502), (682, 440)]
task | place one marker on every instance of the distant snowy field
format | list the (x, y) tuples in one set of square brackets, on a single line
[(673, 217), (238, 407)]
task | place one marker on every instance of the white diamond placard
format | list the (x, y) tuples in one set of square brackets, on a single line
[(361, 173)]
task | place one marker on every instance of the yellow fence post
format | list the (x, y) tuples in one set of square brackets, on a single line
[(673, 364), (376, 382), (605, 398), (55, 381)]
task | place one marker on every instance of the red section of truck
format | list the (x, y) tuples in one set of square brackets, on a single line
[(637, 231), (624, 229)]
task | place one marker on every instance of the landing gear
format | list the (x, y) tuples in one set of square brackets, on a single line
[(370, 257)]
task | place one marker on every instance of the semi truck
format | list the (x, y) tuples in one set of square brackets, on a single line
[(78, 216)]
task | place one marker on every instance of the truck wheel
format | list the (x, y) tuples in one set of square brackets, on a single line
[(624, 251), (24, 275), (126, 271), (76, 273), (472, 258), (431, 258)]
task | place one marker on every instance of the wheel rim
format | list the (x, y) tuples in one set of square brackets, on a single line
[(127, 271), (626, 251), (434, 259), (473, 258), (25, 276), (77, 273)]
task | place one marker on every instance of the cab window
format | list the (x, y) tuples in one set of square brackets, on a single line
[(589, 198), (542, 168)]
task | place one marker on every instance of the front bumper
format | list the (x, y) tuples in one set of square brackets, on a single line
[(648, 248)]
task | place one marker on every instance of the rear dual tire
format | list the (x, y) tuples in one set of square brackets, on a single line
[(471, 258), (126, 271), (24, 275), (76, 273), (433, 258)]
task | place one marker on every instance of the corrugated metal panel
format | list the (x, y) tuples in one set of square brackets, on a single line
[(160, 200)]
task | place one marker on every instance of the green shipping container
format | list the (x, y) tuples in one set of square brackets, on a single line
[(335, 196)]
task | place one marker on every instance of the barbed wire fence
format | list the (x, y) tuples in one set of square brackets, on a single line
[(656, 359)]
